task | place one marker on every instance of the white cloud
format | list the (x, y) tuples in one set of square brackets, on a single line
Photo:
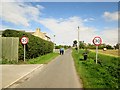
[(89, 19), (109, 36), (111, 16), (19, 13), (66, 29)]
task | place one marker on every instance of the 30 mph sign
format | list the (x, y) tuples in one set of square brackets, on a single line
[(24, 40), (97, 41)]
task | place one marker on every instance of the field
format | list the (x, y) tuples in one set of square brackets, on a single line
[(102, 75), (109, 52)]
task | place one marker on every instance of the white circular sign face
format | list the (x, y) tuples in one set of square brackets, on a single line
[(97, 41), (24, 40)]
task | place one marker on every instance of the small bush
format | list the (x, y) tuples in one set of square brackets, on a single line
[(5, 61)]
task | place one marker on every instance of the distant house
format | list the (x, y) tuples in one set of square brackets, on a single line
[(47, 38), (40, 34)]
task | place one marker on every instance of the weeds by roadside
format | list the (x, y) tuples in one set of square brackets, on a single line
[(102, 75)]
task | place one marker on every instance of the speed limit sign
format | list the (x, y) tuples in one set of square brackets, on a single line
[(24, 40), (97, 41)]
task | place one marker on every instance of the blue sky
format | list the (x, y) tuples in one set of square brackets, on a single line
[(63, 18)]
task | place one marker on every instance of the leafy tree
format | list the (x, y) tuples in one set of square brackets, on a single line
[(109, 47), (117, 46), (81, 44), (102, 46), (91, 46)]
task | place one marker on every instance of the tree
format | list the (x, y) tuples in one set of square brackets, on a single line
[(102, 46), (91, 46), (117, 46), (75, 43), (81, 44), (109, 47)]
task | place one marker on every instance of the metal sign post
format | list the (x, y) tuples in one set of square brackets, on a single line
[(97, 41), (78, 39), (24, 41), (96, 53), (24, 52)]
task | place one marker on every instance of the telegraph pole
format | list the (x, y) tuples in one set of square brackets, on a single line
[(54, 44), (78, 39)]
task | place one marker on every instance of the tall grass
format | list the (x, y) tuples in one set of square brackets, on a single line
[(105, 74)]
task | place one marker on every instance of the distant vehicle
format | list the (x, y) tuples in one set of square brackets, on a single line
[(104, 49)]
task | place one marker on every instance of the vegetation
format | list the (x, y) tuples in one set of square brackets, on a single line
[(105, 74), (43, 59), (35, 47), (39, 60), (59, 46), (117, 46), (5, 61), (83, 45), (91, 46)]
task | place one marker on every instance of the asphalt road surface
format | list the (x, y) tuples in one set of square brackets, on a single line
[(59, 73)]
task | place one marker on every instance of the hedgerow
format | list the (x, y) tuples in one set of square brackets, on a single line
[(35, 47)]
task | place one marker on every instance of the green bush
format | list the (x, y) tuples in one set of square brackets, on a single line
[(64, 46), (35, 47), (5, 61)]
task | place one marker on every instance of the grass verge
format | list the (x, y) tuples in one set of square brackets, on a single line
[(105, 74), (43, 59), (39, 60)]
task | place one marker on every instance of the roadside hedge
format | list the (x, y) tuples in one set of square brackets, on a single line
[(35, 47)]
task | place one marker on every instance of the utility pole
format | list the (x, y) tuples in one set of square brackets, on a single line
[(78, 39), (54, 44)]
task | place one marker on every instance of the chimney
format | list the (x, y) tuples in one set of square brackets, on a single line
[(38, 30)]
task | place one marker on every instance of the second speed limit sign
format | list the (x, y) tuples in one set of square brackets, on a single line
[(24, 40), (97, 41)]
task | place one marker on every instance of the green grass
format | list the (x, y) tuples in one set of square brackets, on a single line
[(102, 75), (39, 60), (43, 59)]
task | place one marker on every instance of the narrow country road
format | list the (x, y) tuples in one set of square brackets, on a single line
[(60, 73)]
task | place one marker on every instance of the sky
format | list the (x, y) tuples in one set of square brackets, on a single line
[(62, 20)]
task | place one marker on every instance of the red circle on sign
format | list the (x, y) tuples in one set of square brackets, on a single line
[(97, 41), (24, 40)]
